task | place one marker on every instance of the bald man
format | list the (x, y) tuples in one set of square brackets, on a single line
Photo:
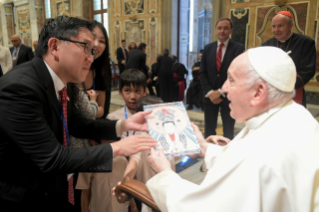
[(20, 53), (302, 47), (35, 44)]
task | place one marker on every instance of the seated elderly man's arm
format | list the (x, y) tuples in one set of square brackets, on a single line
[(239, 184)]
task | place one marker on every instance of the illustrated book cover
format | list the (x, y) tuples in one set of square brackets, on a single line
[(169, 124)]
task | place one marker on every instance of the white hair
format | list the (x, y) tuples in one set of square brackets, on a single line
[(274, 95)]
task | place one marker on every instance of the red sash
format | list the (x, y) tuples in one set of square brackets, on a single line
[(299, 95)]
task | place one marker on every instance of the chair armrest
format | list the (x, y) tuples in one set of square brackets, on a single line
[(137, 190)]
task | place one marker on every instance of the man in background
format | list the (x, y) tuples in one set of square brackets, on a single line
[(216, 59), (302, 47), (20, 53), (137, 59), (35, 44), (122, 56)]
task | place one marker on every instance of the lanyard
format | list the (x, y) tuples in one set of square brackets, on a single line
[(93, 81), (125, 112), (64, 124)]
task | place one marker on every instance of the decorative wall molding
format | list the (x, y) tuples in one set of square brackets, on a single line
[(153, 6), (117, 8), (9, 22), (132, 7), (152, 39), (135, 31)]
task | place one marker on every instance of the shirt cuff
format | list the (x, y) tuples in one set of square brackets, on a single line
[(118, 128), (209, 92), (221, 93)]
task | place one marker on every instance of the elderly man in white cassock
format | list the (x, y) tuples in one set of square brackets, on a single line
[(271, 165)]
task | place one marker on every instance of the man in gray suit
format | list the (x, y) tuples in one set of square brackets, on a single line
[(20, 53)]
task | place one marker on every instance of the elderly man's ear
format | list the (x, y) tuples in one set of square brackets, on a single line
[(260, 94)]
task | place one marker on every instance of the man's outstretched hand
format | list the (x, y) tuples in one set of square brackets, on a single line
[(136, 122), (133, 144)]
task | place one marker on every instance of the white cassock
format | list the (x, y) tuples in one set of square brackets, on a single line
[(271, 165)]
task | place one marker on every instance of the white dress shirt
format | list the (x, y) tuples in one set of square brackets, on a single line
[(224, 47), (59, 85)]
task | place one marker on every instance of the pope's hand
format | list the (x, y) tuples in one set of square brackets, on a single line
[(137, 122), (201, 140), (158, 162), (219, 140), (133, 144)]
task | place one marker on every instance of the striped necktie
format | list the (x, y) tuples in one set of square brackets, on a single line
[(219, 57)]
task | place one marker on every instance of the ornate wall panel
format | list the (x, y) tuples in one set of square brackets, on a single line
[(117, 33), (9, 21), (61, 7), (153, 6), (40, 18), (38, 2), (1, 32), (87, 9), (136, 21), (135, 31), (39, 15), (133, 7), (240, 19), (153, 37), (24, 24), (117, 8)]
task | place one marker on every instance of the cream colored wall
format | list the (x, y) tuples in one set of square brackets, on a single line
[(32, 13)]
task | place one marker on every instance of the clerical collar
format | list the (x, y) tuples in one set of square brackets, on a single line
[(256, 121), (283, 41)]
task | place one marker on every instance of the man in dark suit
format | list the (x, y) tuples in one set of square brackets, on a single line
[(36, 116), (216, 59), (20, 53), (137, 59), (122, 56)]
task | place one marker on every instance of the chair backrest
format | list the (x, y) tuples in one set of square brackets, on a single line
[(135, 189)]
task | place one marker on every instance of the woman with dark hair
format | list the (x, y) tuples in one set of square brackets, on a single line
[(165, 76), (132, 46)]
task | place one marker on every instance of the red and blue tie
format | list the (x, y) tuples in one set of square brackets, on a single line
[(63, 94)]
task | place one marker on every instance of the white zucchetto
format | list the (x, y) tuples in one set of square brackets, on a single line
[(275, 66)]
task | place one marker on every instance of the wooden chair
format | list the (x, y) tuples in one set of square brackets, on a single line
[(137, 190)]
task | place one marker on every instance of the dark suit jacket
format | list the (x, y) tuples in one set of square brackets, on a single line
[(137, 59), (120, 57), (210, 78), (33, 161), (25, 54)]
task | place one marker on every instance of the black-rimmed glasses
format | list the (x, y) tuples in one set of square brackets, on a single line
[(88, 49)]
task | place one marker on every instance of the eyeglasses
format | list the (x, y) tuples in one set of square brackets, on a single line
[(88, 49)]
